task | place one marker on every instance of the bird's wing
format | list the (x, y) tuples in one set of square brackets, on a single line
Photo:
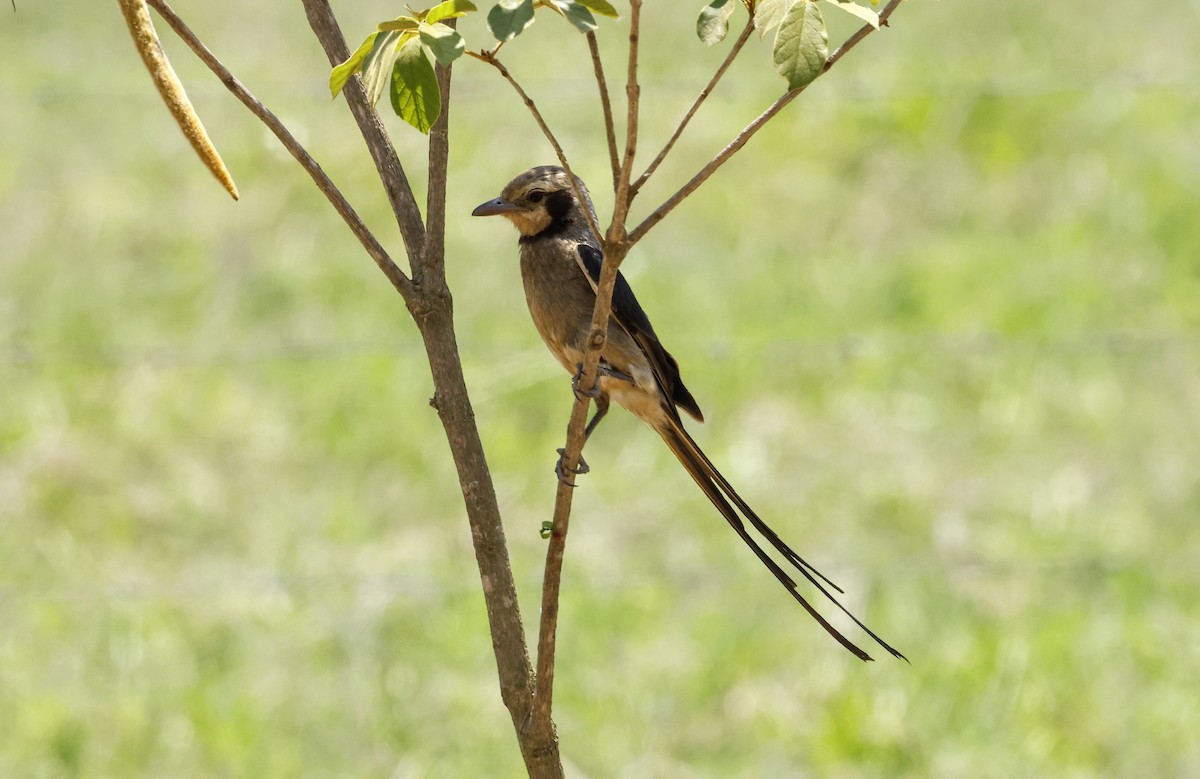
[(629, 315)]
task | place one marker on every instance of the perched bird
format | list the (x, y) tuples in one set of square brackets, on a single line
[(560, 268)]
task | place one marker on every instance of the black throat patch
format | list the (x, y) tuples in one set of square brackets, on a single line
[(559, 205)]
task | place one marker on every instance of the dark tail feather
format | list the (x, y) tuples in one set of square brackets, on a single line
[(721, 492)]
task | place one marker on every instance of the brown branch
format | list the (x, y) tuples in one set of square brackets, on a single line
[(387, 163), (396, 276), (746, 134), (609, 132), (615, 248), (552, 577), (433, 268), (433, 314), (616, 230), (704, 93)]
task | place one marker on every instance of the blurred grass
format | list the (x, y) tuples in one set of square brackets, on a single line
[(942, 316)]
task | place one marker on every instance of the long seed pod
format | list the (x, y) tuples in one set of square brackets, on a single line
[(145, 39)]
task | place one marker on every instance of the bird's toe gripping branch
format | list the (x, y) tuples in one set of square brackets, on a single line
[(577, 379), (563, 472), (595, 392)]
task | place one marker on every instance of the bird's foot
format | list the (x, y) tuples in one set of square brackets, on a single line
[(564, 473), (595, 391), (581, 393)]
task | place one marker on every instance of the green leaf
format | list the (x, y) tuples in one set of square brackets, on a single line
[(510, 18), (415, 96), (399, 23), (801, 45), (854, 9), (449, 10), (445, 43), (769, 13), (377, 66), (576, 14), (600, 7), (342, 73), (713, 24)]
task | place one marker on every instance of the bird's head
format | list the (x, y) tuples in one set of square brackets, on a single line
[(538, 200)]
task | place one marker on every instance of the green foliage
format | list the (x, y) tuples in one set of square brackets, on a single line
[(380, 61), (602, 7), (510, 18), (342, 73), (392, 59), (856, 10), (443, 42), (800, 49), (575, 13), (415, 97), (451, 9), (713, 24), (386, 59)]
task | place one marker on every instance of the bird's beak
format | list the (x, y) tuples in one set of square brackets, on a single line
[(493, 207)]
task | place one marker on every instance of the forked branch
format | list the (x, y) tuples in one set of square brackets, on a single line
[(746, 134), (747, 31)]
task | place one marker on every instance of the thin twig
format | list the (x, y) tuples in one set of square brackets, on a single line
[(746, 134), (552, 577), (609, 132), (396, 276), (616, 230), (541, 122), (540, 726), (615, 248), (704, 93)]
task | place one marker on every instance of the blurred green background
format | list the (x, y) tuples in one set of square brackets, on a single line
[(942, 316)]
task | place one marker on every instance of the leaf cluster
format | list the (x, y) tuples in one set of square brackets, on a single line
[(801, 45), (395, 57)]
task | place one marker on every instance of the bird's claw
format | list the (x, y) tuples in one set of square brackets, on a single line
[(595, 391), (580, 394), (563, 473)]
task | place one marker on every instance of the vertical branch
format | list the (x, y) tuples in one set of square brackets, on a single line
[(433, 253), (432, 311), (704, 93), (542, 726), (609, 132), (616, 230), (615, 248)]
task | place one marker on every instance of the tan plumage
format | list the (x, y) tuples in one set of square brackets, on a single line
[(560, 264)]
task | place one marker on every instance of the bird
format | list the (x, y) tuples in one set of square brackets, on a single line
[(561, 258)]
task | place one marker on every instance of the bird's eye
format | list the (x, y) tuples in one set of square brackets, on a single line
[(536, 197)]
